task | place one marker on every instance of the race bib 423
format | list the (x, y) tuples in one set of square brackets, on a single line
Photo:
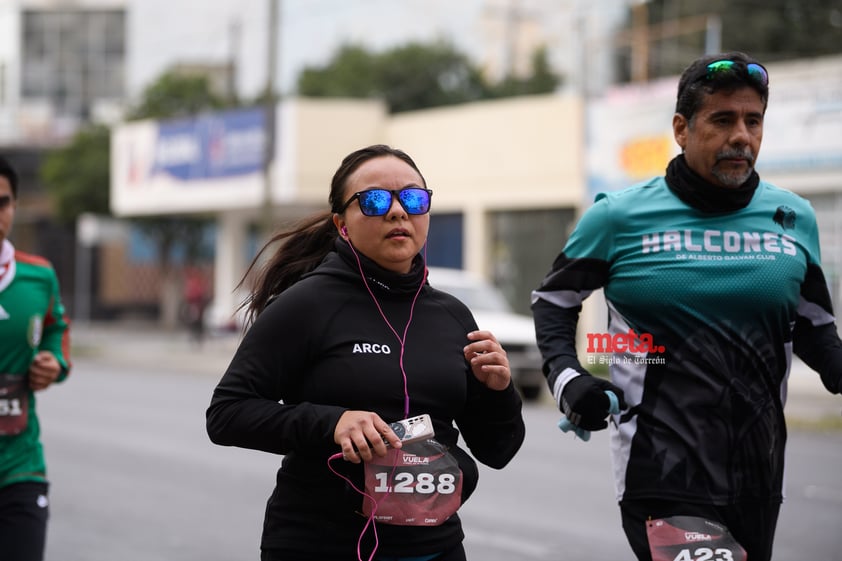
[(690, 538)]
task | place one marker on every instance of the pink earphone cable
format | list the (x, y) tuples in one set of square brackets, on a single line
[(402, 340), (370, 520)]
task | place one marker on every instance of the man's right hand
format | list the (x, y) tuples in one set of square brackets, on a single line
[(585, 403)]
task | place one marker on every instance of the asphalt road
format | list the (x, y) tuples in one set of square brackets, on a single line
[(134, 478)]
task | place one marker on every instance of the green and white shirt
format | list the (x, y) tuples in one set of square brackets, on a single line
[(32, 319)]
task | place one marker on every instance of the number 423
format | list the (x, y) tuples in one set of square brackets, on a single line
[(706, 554)]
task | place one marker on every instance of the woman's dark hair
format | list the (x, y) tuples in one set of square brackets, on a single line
[(696, 81), (307, 242)]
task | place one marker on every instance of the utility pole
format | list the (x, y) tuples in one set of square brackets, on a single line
[(511, 16), (640, 41), (511, 33), (233, 53), (713, 34), (270, 102)]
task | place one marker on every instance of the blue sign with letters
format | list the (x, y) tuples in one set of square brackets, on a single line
[(211, 146)]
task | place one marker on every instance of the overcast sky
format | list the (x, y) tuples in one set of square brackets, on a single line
[(163, 32)]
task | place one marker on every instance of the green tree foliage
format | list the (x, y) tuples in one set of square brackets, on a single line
[(416, 76), (542, 80), (352, 73), (174, 95), (77, 175)]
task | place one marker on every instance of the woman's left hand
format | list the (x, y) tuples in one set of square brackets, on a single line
[(488, 360)]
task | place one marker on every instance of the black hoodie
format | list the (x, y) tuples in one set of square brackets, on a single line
[(322, 347)]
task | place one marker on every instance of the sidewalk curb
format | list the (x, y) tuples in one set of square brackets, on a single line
[(142, 345)]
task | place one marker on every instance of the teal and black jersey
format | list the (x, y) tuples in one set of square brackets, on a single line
[(32, 319), (702, 312)]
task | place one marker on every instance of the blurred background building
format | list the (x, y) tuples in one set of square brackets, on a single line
[(63, 65), (510, 170)]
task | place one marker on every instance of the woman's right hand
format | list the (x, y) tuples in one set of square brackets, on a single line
[(360, 434)]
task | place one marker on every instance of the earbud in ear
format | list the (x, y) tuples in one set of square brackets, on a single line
[(344, 231)]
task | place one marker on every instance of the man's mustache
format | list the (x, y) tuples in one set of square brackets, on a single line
[(732, 154)]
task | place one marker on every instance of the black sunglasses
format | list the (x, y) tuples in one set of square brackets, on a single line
[(5, 201), (377, 202)]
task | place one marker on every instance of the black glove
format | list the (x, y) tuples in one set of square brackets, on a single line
[(585, 403)]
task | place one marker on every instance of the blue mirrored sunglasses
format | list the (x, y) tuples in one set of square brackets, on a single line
[(377, 202), (755, 71)]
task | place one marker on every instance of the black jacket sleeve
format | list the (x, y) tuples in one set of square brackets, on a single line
[(555, 328), (815, 337), (556, 305), (492, 423), (821, 349), (245, 409)]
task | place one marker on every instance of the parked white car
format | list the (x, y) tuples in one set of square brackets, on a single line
[(516, 332)]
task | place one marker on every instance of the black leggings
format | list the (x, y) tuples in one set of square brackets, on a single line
[(751, 523), (455, 554), (23, 521)]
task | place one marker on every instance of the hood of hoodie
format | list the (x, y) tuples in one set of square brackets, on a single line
[(346, 262)]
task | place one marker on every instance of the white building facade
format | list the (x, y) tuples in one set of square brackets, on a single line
[(61, 64)]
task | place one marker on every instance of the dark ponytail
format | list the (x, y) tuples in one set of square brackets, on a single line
[(301, 249)]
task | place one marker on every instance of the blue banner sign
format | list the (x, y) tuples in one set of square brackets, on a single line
[(211, 146)]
